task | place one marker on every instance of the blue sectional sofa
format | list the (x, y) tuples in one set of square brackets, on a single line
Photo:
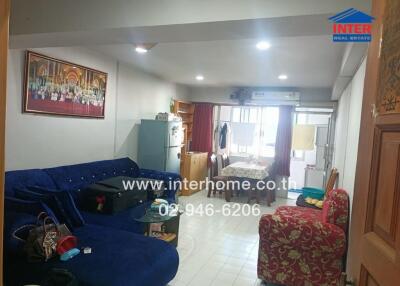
[(121, 256)]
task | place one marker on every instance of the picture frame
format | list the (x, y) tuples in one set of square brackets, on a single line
[(57, 87)]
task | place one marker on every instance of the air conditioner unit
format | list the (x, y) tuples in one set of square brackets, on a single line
[(276, 97)]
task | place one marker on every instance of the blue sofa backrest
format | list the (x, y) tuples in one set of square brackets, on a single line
[(76, 177), (32, 177)]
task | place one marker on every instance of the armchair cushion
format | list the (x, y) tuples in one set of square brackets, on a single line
[(336, 209), (305, 235)]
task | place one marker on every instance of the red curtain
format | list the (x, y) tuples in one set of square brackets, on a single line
[(202, 128), (283, 145)]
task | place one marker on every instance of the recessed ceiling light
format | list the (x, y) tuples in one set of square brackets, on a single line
[(263, 45), (141, 50), (282, 77), (199, 77)]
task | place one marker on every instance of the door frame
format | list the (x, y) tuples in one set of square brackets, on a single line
[(4, 31)]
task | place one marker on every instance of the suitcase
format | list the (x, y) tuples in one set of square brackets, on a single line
[(109, 196)]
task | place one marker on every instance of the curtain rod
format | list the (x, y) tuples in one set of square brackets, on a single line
[(264, 105)]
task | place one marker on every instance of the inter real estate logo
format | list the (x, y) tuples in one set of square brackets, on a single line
[(352, 25)]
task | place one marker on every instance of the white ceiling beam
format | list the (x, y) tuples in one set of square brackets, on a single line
[(296, 26), (49, 16)]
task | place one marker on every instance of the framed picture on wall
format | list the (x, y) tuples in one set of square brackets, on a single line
[(58, 87)]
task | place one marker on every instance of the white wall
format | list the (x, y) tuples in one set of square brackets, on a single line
[(342, 121), (348, 129), (140, 96), (39, 141)]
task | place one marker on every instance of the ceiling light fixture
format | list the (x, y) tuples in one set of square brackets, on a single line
[(263, 45), (141, 50), (199, 77), (282, 77)]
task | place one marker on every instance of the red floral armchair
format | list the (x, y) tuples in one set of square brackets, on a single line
[(303, 246)]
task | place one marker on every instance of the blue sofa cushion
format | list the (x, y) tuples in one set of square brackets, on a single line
[(123, 220), (77, 177), (48, 199), (33, 208), (119, 258), (67, 202), (33, 177)]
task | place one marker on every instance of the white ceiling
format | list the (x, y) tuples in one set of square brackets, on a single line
[(311, 61), (214, 38)]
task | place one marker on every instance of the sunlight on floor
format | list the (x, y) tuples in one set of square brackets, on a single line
[(219, 250)]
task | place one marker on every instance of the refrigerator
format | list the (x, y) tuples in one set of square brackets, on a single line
[(160, 145)]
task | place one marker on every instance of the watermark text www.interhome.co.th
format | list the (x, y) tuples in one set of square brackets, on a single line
[(229, 184)]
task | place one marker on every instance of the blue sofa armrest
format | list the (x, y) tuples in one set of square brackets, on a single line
[(171, 181)]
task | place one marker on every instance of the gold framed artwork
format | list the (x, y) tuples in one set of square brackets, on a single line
[(57, 87)]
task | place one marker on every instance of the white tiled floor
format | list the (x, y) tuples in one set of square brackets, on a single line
[(219, 250)]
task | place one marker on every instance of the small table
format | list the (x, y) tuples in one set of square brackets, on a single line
[(250, 171), (169, 225)]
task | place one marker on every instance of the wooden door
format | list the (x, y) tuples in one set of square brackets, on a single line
[(374, 253), (4, 18)]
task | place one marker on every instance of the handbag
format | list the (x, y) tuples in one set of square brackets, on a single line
[(41, 243)]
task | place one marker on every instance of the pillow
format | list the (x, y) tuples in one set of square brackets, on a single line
[(50, 200), (67, 202)]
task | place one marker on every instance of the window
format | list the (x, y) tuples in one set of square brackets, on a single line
[(252, 129), (269, 127)]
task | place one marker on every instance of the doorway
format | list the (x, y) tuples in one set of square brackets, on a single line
[(310, 164)]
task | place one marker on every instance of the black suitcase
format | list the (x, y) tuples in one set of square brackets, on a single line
[(109, 196)]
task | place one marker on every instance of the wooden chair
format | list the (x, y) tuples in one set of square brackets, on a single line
[(215, 177), (214, 166), (225, 160), (330, 184)]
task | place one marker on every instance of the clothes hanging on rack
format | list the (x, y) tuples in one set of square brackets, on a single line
[(222, 136)]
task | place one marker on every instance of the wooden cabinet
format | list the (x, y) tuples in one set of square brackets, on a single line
[(193, 164), (185, 110), (194, 169)]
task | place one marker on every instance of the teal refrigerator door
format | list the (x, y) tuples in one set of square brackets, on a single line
[(173, 162), (152, 141)]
